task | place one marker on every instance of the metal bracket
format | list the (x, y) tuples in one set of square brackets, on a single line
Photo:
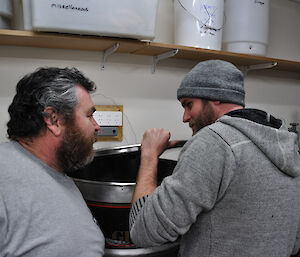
[(157, 58), (108, 52), (261, 66)]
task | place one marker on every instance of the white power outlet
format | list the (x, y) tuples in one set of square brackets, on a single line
[(108, 118)]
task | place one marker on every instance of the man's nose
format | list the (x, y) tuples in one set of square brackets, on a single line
[(97, 127), (186, 117)]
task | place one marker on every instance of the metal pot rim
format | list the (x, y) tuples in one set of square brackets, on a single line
[(104, 183), (118, 150), (139, 251), (135, 148)]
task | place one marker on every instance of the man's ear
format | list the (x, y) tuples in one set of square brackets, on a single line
[(52, 121)]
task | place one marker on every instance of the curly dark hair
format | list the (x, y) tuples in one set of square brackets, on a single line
[(46, 87)]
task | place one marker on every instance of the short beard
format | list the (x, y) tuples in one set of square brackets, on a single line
[(205, 117), (75, 150)]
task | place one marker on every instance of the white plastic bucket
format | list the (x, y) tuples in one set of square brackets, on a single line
[(246, 28), (199, 23)]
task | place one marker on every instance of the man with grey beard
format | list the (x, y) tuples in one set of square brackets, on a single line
[(235, 190), (51, 131)]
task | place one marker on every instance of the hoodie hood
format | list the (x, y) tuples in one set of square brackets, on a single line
[(270, 135)]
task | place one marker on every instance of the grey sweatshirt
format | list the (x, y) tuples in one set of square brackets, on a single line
[(42, 212), (234, 192)]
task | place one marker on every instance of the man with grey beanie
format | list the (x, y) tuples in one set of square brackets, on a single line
[(235, 190)]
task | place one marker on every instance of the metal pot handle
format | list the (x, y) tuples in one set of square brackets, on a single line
[(179, 143)]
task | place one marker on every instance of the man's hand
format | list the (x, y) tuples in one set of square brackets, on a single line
[(155, 141)]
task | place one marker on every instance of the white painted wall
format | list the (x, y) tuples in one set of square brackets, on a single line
[(149, 100)]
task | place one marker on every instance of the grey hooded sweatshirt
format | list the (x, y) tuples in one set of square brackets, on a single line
[(234, 192)]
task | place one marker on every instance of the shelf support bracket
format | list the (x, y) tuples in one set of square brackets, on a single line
[(261, 66), (108, 52), (157, 58)]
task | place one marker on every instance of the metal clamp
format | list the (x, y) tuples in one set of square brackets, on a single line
[(157, 58), (108, 52), (261, 66)]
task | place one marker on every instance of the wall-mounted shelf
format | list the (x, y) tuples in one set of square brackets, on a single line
[(96, 43)]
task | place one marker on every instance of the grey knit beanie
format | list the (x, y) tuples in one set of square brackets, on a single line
[(214, 80)]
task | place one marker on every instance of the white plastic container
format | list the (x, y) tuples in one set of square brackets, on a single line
[(199, 23), (246, 28), (120, 18)]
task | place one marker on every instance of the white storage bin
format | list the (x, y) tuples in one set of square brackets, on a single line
[(120, 18)]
